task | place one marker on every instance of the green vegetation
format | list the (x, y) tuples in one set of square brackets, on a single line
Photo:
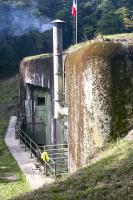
[(124, 36), (9, 169), (94, 17), (14, 48), (37, 57), (108, 177), (120, 36)]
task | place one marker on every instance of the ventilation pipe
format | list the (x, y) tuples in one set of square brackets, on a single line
[(59, 109)]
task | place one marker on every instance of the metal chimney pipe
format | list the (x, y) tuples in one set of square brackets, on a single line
[(58, 69)]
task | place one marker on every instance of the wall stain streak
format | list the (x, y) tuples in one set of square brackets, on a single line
[(99, 93)]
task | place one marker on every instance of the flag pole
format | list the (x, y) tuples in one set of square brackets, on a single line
[(76, 21)]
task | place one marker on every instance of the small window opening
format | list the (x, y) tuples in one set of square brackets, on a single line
[(41, 101)]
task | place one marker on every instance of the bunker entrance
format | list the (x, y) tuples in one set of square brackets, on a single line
[(38, 114)]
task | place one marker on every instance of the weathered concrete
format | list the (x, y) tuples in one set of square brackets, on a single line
[(37, 70), (129, 136), (36, 75), (99, 84), (23, 158)]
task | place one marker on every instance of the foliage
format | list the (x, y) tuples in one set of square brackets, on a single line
[(94, 17), (13, 49)]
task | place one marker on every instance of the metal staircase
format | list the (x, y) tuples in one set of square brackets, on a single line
[(58, 153)]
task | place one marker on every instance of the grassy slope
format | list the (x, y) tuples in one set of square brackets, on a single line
[(108, 178), (8, 166)]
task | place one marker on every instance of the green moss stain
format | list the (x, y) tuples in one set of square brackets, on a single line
[(99, 96), (121, 94)]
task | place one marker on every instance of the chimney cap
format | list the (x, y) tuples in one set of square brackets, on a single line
[(57, 22)]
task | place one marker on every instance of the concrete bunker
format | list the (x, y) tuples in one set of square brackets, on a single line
[(95, 81), (99, 82)]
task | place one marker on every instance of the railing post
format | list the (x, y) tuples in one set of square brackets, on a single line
[(30, 150), (54, 169), (45, 167), (16, 131), (45, 163), (25, 141), (20, 136)]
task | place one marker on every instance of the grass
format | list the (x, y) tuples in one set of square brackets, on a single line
[(109, 177), (8, 166), (123, 36), (37, 57), (120, 36)]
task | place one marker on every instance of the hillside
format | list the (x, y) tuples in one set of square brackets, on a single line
[(23, 24), (109, 176), (12, 180)]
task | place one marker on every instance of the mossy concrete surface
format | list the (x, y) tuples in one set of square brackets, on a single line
[(99, 83)]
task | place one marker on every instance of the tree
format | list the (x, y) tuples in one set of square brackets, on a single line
[(94, 16)]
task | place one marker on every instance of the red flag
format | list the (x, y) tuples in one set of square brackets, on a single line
[(74, 8)]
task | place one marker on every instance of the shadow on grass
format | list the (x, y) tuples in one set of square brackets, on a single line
[(8, 179)]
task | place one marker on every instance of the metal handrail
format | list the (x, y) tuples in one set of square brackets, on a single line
[(49, 145), (50, 166), (28, 137), (30, 142), (53, 157), (56, 149), (19, 131)]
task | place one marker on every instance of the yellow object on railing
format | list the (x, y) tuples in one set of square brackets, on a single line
[(45, 156)]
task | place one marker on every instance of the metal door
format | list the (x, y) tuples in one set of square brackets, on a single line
[(40, 116)]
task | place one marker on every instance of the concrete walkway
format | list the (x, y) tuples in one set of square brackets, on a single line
[(23, 158)]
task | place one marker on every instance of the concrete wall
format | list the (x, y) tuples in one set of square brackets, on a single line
[(99, 83), (36, 80), (36, 70)]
